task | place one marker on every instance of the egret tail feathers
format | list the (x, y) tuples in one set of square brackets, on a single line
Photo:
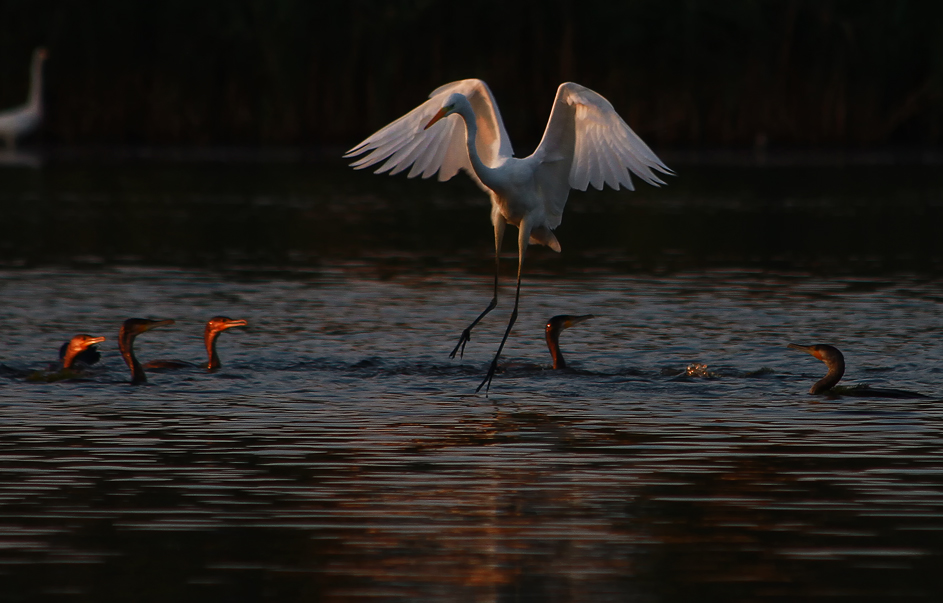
[(545, 236)]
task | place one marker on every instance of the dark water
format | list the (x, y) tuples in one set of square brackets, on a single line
[(340, 455)]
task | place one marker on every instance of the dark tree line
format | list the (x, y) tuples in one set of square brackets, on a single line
[(306, 72)]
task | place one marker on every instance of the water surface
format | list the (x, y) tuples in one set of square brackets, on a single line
[(341, 455)]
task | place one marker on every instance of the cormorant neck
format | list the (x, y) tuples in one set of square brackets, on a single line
[(553, 342), (209, 337), (836, 368), (126, 345), (69, 357)]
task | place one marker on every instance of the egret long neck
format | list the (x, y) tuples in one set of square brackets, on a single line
[(35, 99), (484, 172)]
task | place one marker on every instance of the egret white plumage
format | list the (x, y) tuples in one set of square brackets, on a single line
[(585, 142), (22, 120)]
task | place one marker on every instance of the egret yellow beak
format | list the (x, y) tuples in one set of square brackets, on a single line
[(436, 118)]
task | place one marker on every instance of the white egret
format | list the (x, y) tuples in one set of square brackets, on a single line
[(22, 120), (585, 142)]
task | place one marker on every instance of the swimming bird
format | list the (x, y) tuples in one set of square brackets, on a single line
[(88, 354), (71, 361), (214, 327), (130, 329), (22, 120), (80, 349), (554, 327), (835, 361), (460, 127)]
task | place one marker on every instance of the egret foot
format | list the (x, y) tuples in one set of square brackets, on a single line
[(488, 377), (460, 346)]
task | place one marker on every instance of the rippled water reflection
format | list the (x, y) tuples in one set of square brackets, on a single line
[(340, 455)]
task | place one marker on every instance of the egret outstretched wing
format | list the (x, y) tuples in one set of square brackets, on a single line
[(460, 127), (586, 142), (442, 148)]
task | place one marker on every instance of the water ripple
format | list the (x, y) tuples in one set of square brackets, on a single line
[(340, 451)]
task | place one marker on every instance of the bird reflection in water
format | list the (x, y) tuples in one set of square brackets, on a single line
[(835, 361), (460, 127)]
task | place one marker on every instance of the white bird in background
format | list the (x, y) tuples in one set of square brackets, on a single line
[(19, 121), (586, 142)]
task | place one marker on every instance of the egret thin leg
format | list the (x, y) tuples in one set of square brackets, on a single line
[(499, 224), (585, 142), (522, 246)]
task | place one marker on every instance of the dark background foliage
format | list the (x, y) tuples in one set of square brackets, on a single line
[(301, 72)]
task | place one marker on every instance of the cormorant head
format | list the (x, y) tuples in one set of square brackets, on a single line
[(80, 348), (565, 321), (828, 354), (80, 343), (214, 327), (552, 332), (221, 323), (135, 326)]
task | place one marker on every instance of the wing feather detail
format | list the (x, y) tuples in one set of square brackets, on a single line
[(587, 143), (442, 148)]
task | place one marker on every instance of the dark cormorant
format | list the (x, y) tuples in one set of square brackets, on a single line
[(80, 350), (73, 359), (87, 355), (832, 358), (214, 327), (554, 326), (130, 329), (835, 361)]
